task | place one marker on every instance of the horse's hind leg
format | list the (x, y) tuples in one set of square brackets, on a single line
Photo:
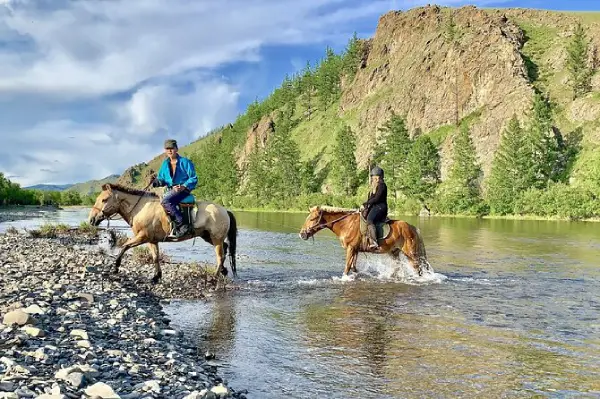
[(219, 250), (155, 259)]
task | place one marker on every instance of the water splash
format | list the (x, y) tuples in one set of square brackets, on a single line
[(388, 269)]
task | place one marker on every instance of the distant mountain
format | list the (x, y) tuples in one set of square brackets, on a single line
[(50, 187), (92, 186), (84, 188)]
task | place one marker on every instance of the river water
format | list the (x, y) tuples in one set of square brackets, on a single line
[(512, 310)]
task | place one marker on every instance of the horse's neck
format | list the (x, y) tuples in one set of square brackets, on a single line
[(339, 225), (132, 205)]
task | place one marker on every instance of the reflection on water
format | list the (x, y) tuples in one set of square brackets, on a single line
[(517, 315)]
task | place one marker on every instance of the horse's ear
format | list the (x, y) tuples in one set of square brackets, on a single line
[(106, 187)]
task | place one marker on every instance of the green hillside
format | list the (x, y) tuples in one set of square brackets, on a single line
[(286, 151)]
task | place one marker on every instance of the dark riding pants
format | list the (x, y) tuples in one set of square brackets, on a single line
[(170, 201), (377, 214)]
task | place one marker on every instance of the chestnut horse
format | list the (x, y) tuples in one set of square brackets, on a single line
[(150, 223), (345, 224)]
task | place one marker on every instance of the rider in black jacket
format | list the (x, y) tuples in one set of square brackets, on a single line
[(376, 207)]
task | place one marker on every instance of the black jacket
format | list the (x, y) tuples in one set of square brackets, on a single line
[(379, 197)]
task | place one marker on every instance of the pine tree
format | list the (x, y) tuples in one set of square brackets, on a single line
[(328, 79), (512, 168), (392, 155), (542, 142), (461, 193), (307, 89), (351, 57), (285, 162), (344, 169), (577, 62), (423, 172)]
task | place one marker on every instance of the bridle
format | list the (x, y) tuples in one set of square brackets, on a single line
[(109, 218), (314, 229)]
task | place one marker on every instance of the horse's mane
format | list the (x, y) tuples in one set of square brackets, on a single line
[(129, 190), (332, 209)]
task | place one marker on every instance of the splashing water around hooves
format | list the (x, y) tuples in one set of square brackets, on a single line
[(388, 269)]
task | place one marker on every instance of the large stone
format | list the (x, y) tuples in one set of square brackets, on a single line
[(34, 309), (79, 334), (101, 390), (17, 317), (33, 331)]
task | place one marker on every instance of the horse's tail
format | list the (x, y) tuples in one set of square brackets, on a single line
[(420, 251), (232, 238)]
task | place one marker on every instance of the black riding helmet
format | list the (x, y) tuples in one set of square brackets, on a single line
[(377, 171)]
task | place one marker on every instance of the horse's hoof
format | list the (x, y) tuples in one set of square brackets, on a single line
[(156, 279)]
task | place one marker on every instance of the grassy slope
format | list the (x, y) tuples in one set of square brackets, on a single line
[(543, 42)]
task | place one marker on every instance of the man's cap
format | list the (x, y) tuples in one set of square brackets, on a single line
[(170, 143)]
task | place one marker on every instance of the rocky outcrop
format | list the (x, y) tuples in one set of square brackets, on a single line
[(257, 135), (419, 68)]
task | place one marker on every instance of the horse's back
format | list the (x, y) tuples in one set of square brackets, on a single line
[(212, 216)]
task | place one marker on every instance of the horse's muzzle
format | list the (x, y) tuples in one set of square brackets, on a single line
[(96, 220), (304, 235)]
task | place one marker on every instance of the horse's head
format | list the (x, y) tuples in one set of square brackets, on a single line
[(312, 224), (107, 204)]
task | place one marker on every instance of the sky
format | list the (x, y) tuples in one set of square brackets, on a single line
[(91, 87)]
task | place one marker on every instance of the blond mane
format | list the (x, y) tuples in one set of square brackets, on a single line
[(332, 209)]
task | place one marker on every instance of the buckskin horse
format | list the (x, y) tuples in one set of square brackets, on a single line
[(150, 224), (345, 224)]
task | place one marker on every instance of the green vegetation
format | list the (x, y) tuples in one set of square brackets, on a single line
[(580, 72), (12, 194)]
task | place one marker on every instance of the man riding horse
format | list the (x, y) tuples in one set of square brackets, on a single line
[(375, 209), (179, 175)]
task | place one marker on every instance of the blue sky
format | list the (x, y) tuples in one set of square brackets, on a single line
[(91, 87)]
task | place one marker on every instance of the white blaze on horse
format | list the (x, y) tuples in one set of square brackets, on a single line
[(150, 224)]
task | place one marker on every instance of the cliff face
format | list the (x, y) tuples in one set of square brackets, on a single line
[(437, 66), (434, 73)]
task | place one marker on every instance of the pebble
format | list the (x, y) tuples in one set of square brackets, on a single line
[(68, 334)]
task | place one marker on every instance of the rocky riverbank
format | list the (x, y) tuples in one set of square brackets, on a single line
[(68, 331)]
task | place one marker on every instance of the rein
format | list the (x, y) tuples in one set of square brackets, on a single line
[(318, 227), (128, 216)]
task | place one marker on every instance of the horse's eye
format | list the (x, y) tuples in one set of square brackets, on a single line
[(104, 200)]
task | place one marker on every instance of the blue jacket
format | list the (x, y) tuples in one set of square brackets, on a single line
[(185, 174)]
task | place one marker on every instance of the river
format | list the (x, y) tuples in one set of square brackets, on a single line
[(513, 310)]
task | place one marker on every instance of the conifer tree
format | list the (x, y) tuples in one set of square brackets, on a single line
[(423, 172), (511, 172), (393, 153), (351, 57), (307, 89), (344, 168), (546, 159), (328, 79), (461, 193), (580, 74)]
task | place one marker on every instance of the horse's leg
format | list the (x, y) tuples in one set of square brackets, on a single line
[(220, 256), (154, 251), (130, 243), (353, 267), (350, 258)]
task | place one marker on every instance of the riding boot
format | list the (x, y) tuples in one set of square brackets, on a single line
[(372, 236), (181, 230)]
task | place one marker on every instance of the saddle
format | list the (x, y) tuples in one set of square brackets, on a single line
[(188, 210), (382, 229)]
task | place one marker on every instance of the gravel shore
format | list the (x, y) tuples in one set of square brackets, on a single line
[(68, 331)]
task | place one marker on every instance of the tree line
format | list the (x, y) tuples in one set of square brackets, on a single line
[(12, 194)]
